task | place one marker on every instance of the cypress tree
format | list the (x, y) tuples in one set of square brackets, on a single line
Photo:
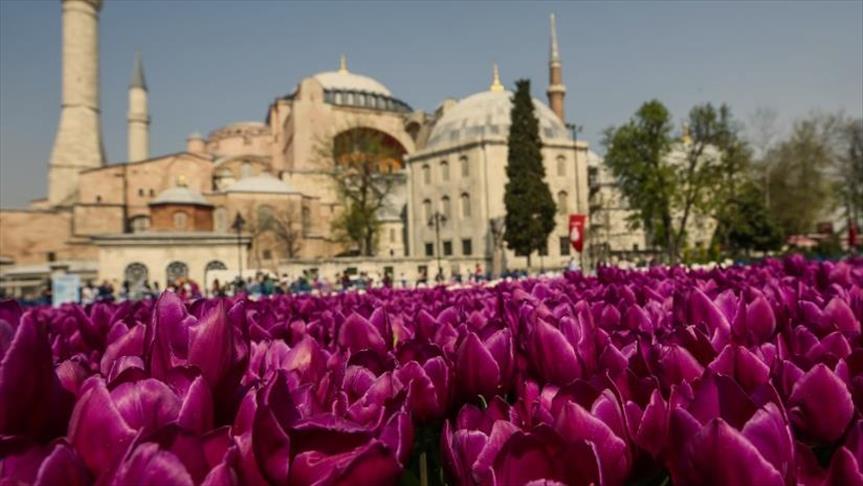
[(529, 206)]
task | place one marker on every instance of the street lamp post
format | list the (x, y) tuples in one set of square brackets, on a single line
[(436, 220), (238, 225)]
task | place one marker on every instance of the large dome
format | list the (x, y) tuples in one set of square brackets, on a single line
[(487, 114), (343, 80)]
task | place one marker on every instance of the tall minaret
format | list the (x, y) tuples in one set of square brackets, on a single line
[(78, 145), (556, 89), (139, 114)]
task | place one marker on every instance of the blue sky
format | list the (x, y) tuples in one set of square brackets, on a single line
[(209, 63)]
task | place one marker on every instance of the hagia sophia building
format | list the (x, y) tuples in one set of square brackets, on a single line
[(159, 217)]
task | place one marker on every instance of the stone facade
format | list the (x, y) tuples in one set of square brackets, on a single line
[(156, 253), (276, 174)]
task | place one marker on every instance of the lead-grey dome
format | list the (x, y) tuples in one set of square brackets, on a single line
[(180, 195), (487, 114)]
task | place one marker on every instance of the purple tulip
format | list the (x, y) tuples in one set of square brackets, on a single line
[(820, 405), (485, 367)]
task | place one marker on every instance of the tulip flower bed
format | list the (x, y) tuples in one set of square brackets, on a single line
[(746, 375)]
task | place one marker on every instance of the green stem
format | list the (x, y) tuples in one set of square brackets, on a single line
[(424, 470)]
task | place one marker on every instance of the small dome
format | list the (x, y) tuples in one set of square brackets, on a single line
[(261, 183), (180, 195), (347, 81), (487, 114)]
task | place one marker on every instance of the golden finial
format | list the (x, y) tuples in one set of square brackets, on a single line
[(181, 181), (686, 136), (495, 82), (343, 64)]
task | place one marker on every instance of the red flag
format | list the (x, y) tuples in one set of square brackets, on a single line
[(576, 231)]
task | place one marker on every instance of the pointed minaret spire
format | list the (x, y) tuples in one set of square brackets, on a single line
[(556, 89), (138, 119), (495, 80), (554, 54), (138, 80), (343, 64)]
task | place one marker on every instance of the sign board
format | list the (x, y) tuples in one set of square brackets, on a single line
[(64, 288), (576, 231)]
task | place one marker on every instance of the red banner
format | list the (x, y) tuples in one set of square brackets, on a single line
[(576, 231)]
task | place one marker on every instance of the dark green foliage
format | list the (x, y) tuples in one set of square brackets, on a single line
[(745, 224), (800, 191), (530, 208), (637, 156)]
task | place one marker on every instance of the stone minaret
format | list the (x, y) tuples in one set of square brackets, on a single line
[(78, 145), (139, 114), (556, 89)]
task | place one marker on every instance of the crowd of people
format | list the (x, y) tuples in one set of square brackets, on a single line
[(265, 284)]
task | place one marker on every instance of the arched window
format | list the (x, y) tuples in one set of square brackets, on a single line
[(141, 192), (445, 206), (561, 165), (220, 219), (427, 210), (140, 224), (465, 168), (426, 174), (215, 265), (181, 220), (444, 170), (176, 270), (465, 205), (562, 202), (136, 274), (265, 217)]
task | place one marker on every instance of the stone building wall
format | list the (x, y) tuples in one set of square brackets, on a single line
[(31, 236)]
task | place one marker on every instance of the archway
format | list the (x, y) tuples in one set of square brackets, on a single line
[(136, 274), (363, 144), (176, 270)]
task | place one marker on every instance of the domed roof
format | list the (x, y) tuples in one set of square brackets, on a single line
[(348, 81), (487, 114), (261, 183), (180, 195)]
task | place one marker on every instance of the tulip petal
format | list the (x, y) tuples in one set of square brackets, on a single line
[(821, 404)]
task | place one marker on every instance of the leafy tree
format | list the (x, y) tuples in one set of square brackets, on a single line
[(800, 190), (530, 208), (738, 197), (364, 165), (637, 156), (276, 229), (745, 224), (849, 170), (667, 184)]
